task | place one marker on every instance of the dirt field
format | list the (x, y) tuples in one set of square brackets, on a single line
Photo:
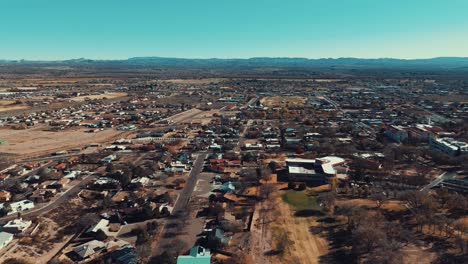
[(307, 247), (36, 141), (7, 105), (12, 107), (391, 205), (195, 81), (98, 96), (275, 101), (194, 115), (6, 102), (39, 252), (459, 98)]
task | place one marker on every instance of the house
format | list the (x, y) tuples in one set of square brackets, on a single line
[(396, 133), (5, 239), (88, 249), (124, 255), (215, 146), (16, 226), (140, 182), (32, 178), (227, 187), (224, 165), (109, 158), (103, 225), (5, 196), (449, 146), (19, 206), (167, 207), (217, 236), (292, 143), (423, 132), (60, 166), (249, 146), (18, 171), (42, 195), (197, 255), (72, 175), (3, 177)]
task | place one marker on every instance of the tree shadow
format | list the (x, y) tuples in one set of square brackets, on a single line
[(308, 213), (169, 235), (340, 243), (273, 252), (327, 220), (316, 230), (172, 225)]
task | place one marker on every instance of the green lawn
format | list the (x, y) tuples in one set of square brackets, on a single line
[(300, 201)]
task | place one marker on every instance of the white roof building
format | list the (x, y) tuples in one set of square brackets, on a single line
[(316, 169), (17, 226), (19, 206), (5, 239), (90, 248), (103, 225)]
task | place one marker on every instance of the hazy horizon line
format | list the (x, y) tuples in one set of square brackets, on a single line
[(228, 58)]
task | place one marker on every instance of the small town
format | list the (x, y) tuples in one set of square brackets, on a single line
[(234, 132), (232, 170)]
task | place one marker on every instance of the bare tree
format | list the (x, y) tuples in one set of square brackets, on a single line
[(282, 241), (327, 201), (379, 198), (265, 173), (366, 238), (266, 190), (349, 211)]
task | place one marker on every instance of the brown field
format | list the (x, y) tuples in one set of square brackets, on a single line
[(36, 141), (8, 105), (307, 247), (328, 80), (194, 115), (459, 98), (98, 96), (273, 101), (195, 81), (6, 102), (391, 205)]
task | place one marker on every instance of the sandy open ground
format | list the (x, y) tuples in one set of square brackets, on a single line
[(304, 248), (273, 101), (194, 81), (98, 96), (37, 141), (12, 107), (307, 247), (391, 205), (7, 105), (194, 115)]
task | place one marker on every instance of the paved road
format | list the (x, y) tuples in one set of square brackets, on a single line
[(184, 197), (180, 207), (68, 194)]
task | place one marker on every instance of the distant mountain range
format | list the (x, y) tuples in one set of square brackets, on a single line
[(259, 66), (440, 62), (450, 62)]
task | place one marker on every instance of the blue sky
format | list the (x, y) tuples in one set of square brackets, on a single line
[(118, 29)]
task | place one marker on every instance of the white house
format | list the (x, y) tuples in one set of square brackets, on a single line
[(19, 206), (5, 239), (17, 226)]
